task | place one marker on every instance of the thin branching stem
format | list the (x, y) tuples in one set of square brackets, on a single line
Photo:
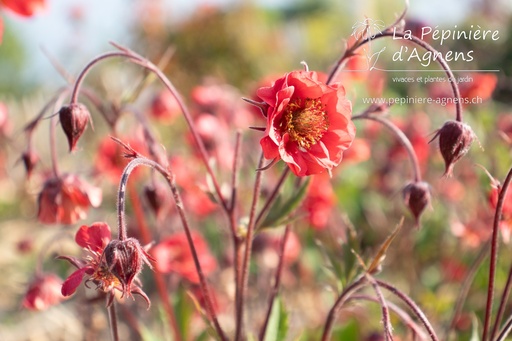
[(494, 254), (506, 329), (393, 32), (404, 316), (273, 195), (464, 289), (404, 140), (277, 281), (413, 306), (244, 271), (169, 176), (503, 303), (386, 322), (342, 298)]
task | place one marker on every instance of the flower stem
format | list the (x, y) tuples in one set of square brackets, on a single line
[(342, 298), (412, 305), (277, 282), (139, 160), (494, 254), (464, 289), (244, 274), (404, 140), (273, 195), (503, 301), (157, 275), (112, 316), (391, 32), (143, 62)]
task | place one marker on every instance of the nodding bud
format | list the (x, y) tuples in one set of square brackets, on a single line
[(156, 196), (74, 119), (417, 198), (30, 159), (455, 139), (125, 259)]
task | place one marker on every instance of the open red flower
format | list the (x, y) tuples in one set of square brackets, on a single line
[(308, 123), (173, 255), (43, 292), (65, 199), (105, 264)]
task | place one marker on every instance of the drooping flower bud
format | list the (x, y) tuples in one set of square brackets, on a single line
[(74, 119), (125, 259), (29, 159), (455, 139), (417, 197), (157, 196)]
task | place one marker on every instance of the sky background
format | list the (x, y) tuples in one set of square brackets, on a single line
[(64, 36)]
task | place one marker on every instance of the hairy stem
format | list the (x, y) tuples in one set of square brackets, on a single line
[(112, 316), (412, 305), (342, 298)]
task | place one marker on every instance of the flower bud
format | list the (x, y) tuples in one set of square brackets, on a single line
[(417, 197), (125, 259), (73, 119), (455, 139), (29, 159), (157, 196)]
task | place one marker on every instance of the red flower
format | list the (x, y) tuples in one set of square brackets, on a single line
[(173, 255), (110, 161), (66, 199), (24, 8), (103, 265), (43, 292), (319, 201), (308, 123), (164, 107)]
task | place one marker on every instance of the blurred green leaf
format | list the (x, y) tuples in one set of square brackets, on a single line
[(278, 323), (349, 331), (282, 208)]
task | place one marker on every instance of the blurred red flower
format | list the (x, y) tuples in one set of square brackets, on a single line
[(66, 199), (319, 201), (308, 123), (25, 8), (110, 160), (164, 107), (43, 292), (173, 254)]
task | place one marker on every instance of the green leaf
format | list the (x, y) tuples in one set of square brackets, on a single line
[(278, 323), (282, 208), (475, 335), (349, 331)]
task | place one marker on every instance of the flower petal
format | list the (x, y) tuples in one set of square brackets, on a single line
[(72, 282), (94, 237)]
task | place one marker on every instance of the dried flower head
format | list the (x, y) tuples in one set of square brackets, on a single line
[(455, 139), (74, 119), (124, 259)]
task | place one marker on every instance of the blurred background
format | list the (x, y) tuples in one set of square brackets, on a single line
[(234, 47)]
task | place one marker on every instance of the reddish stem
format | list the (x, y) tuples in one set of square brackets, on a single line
[(494, 254), (244, 274), (157, 275), (404, 140), (112, 317), (277, 282)]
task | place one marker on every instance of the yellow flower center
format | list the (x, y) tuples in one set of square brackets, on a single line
[(305, 121)]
